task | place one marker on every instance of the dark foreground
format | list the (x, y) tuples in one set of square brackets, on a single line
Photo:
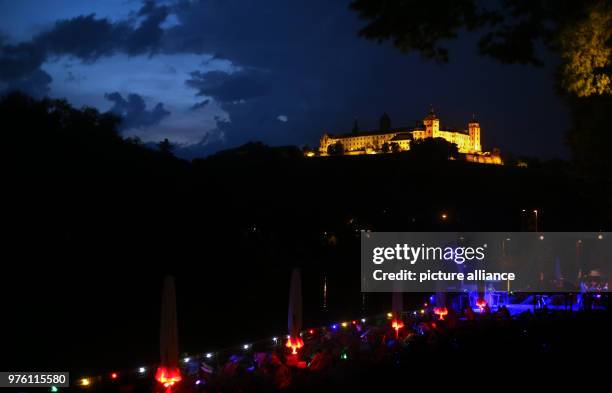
[(548, 349)]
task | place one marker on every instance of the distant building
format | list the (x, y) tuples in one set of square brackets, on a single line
[(399, 139)]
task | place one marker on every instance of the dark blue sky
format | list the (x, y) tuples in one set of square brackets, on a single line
[(214, 74)]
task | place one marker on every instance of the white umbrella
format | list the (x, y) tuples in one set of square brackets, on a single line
[(294, 320), (168, 373), (168, 338), (397, 304)]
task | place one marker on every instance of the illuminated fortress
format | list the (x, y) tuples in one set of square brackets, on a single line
[(397, 140)]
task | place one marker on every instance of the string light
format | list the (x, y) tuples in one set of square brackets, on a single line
[(290, 344)]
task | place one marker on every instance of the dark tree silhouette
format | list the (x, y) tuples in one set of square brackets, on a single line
[(355, 127), (433, 149), (165, 146), (51, 135), (384, 123), (385, 147), (511, 31), (335, 149)]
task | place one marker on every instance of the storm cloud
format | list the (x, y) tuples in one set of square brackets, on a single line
[(84, 37), (133, 111), (227, 88)]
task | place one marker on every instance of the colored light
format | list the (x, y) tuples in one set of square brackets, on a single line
[(343, 356), (114, 376), (85, 382), (363, 320), (441, 312), (54, 389), (334, 326), (481, 303), (397, 325), (422, 311), (209, 355), (142, 370), (198, 382), (389, 315), (311, 331), (168, 376), (187, 359), (294, 344), (344, 324)]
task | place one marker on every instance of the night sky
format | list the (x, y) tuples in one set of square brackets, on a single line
[(211, 75)]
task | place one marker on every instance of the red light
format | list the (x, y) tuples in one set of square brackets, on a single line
[(354, 322), (397, 325), (441, 312), (168, 377), (294, 343), (311, 331), (114, 376), (481, 303)]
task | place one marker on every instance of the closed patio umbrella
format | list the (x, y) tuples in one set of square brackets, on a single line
[(168, 373)]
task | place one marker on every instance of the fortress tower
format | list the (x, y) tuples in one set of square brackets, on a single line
[(474, 132), (432, 124)]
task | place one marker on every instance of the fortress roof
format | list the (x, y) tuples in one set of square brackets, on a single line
[(404, 136), (372, 133)]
